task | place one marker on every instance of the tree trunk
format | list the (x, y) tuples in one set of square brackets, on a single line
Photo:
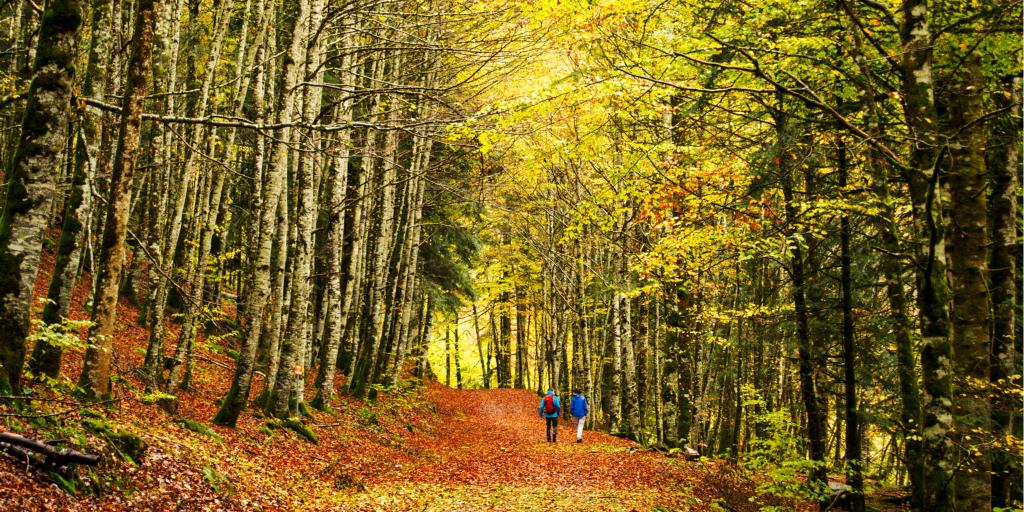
[(968, 275), (455, 353), (614, 387), (484, 363), (630, 409), (46, 357), (96, 370), (817, 479), (336, 237), (891, 265), (259, 291), (1004, 166), (854, 461), (30, 182), (918, 92), (280, 399)]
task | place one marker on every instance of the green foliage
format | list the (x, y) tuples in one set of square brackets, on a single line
[(129, 446), (156, 396), (218, 480), (450, 242), (199, 428), (367, 416), (69, 484), (64, 335), (295, 425), (778, 454)]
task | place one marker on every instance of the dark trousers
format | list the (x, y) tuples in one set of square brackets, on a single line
[(551, 429)]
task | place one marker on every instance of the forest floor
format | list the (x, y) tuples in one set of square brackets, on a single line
[(422, 447), (489, 452)]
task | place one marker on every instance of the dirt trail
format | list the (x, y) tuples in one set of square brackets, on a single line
[(488, 452)]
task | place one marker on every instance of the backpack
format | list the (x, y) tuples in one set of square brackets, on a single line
[(549, 404)]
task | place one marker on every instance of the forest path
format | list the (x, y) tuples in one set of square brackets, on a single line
[(488, 452)]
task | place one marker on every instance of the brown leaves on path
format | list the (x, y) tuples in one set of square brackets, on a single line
[(489, 453)]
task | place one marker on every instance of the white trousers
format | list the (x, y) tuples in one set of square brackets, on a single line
[(579, 427)]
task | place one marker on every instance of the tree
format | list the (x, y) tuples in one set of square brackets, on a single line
[(31, 180), (96, 369)]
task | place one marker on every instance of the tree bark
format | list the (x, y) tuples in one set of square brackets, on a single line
[(46, 357), (968, 275), (854, 460), (816, 428), (1004, 166), (30, 182), (933, 294), (96, 369), (630, 397)]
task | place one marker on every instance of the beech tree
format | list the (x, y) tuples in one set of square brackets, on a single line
[(30, 180)]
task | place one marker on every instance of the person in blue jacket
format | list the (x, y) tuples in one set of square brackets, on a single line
[(550, 408), (578, 408)]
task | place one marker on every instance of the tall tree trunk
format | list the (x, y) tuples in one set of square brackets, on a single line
[(259, 291), (669, 390), (30, 182), (170, 229), (1004, 166), (329, 355), (503, 355), (891, 265), (455, 352), (281, 388), (484, 363), (520, 340), (968, 275), (630, 398), (614, 387), (918, 92), (273, 328), (46, 357), (96, 369), (817, 479), (854, 461)]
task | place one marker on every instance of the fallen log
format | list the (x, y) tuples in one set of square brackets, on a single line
[(44, 455)]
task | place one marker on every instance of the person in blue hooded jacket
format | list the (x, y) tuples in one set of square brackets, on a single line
[(578, 408), (550, 408)]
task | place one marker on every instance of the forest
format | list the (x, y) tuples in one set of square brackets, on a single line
[(330, 254)]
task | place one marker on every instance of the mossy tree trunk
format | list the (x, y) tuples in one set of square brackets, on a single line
[(46, 357), (96, 370), (1004, 167), (258, 291), (816, 422), (926, 191), (30, 180), (278, 400), (968, 275), (853, 452)]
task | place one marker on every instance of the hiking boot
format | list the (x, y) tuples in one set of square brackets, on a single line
[(579, 440)]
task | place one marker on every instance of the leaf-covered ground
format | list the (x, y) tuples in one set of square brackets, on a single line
[(489, 453), (427, 447)]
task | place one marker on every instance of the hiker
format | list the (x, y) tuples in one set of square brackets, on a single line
[(578, 408), (550, 408)]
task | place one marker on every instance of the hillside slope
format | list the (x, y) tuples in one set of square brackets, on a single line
[(425, 447)]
